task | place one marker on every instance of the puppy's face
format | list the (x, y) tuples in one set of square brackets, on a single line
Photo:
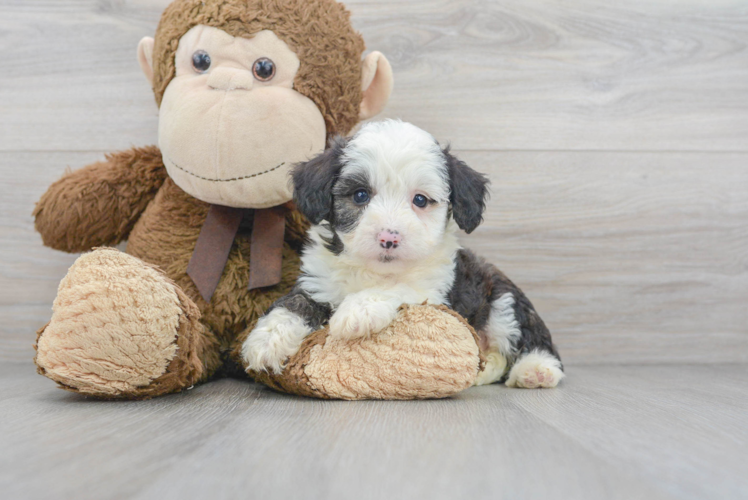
[(386, 194)]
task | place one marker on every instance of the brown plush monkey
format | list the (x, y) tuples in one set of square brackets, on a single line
[(246, 88)]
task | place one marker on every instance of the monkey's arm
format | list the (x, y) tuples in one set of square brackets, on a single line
[(99, 204)]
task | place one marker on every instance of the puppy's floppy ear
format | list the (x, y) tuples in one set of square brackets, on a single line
[(314, 179), (468, 193)]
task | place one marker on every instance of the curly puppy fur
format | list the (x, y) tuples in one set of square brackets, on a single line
[(386, 205)]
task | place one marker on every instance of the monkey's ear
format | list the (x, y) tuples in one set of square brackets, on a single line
[(376, 82), (468, 193), (145, 57), (314, 179)]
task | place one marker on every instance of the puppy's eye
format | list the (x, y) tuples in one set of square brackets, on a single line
[(420, 201), (263, 69), (360, 197), (201, 61)]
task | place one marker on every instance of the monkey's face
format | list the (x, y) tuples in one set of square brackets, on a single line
[(231, 124)]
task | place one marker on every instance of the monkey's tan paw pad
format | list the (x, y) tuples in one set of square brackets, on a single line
[(536, 369), (114, 326), (427, 352)]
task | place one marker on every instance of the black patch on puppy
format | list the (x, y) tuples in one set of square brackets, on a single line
[(468, 193), (478, 284), (347, 213), (333, 243), (322, 195), (313, 182), (300, 303), (472, 292)]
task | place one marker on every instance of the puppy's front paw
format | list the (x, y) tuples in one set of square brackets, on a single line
[(536, 369), (277, 336), (358, 318)]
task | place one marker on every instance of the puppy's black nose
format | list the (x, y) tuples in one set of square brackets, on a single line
[(388, 245)]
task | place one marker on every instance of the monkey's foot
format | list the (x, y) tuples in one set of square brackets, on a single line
[(120, 329), (426, 352)]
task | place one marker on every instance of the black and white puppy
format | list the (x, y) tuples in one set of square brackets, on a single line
[(385, 206)]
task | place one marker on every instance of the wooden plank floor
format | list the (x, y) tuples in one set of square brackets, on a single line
[(654, 75), (607, 432)]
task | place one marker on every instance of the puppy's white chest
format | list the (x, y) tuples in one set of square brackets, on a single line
[(331, 279)]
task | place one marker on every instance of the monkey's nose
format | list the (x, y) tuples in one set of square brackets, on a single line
[(388, 239), (230, 79)]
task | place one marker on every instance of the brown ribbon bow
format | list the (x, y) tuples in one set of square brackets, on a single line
[(217, 236)]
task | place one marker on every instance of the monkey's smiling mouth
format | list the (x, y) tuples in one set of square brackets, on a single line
[(225, 180)]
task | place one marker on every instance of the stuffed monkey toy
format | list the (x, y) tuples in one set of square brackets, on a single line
[(245, 89)]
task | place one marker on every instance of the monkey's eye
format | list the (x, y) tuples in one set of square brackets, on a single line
[(201, 61), (360, 197), (420, 201), (263, 69)]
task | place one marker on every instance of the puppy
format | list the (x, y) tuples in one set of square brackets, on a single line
[(385, 207)]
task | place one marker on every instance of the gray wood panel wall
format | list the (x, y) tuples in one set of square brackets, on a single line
[(615, 136)]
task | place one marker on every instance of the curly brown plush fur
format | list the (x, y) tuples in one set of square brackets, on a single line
[(129, 195), (162, 224), (166, 235), (318, 31), (105, 198)]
